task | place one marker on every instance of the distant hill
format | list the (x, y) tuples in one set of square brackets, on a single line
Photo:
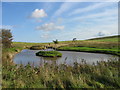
[(115, 38), (108, 37)]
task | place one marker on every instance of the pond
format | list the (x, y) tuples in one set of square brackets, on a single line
[(68, 57)]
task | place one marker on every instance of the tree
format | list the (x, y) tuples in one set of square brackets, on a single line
[(74, 39), (6, 37), (55, 42)]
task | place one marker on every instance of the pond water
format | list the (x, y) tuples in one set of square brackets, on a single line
[(68, 57)]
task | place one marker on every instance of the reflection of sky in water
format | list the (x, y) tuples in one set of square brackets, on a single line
[(68, 57)]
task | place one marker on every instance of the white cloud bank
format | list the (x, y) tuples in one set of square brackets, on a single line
[(49, 27), (103, 33), (107, 13), (66, 6), (38, 13), (90, 8), (46, 36)]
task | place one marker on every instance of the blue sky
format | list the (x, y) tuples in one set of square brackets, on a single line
[(47, 21)]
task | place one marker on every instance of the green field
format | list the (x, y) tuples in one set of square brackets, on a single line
[(108, 45), (106, 42), (101, 39), (88, 49), (107, 39)]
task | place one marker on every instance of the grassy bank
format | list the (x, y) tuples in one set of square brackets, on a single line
[(89, 49)]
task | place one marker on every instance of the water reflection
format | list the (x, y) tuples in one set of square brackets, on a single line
[(68, 57)]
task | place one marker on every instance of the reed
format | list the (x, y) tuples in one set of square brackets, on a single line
[(102, 75)]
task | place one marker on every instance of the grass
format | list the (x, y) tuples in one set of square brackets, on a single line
[(100, 39), (106, 43), (107, 39), (13, 49), (37, 47), (89, 49), (109, 45), (25, 44), (49, 54), (102, 75)]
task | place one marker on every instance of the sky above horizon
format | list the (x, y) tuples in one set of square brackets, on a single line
[(47, 21)]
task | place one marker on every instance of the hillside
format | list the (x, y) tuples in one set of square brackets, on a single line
[(109, 45), (107, 39)]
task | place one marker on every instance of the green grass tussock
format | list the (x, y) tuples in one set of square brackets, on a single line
[(49, 54)]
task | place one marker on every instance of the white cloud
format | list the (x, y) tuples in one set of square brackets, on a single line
[(64, 7), (88, 31), (90, 8), (59, 20), (105, 14), (46, 36), (38, 20), (103, 33), (49, 27), (47, 6), (38, 13)]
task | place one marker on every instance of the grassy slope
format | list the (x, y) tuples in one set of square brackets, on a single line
[(102, 45), (107, 39), (101, 39)]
